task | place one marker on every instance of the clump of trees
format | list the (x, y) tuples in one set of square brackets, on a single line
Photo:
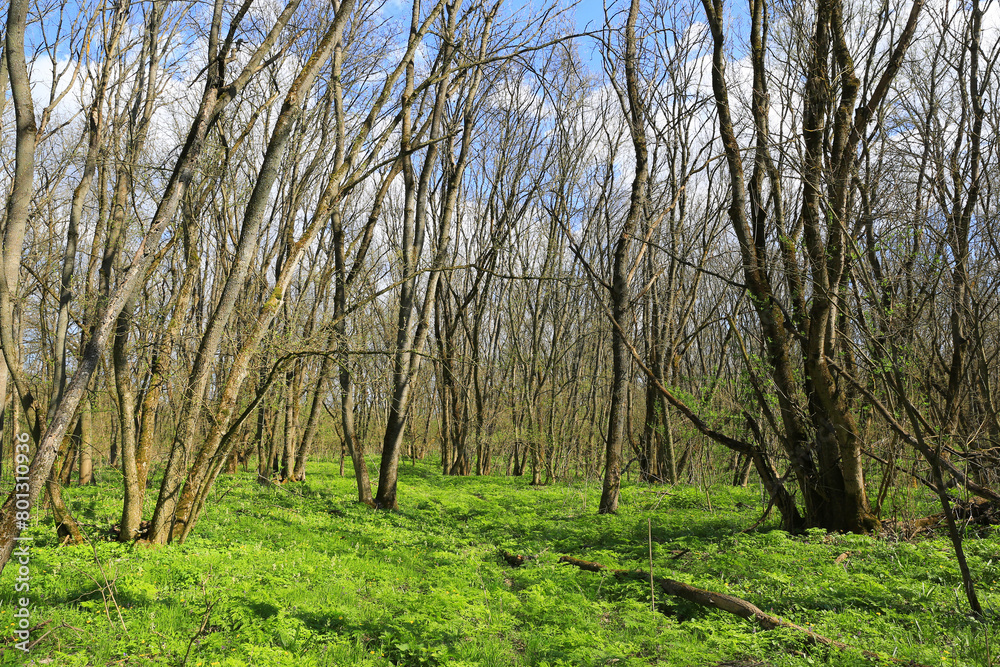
[(236, 230)]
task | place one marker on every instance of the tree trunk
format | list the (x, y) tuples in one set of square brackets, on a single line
[(620, 307), (354, 446), (86, 443), (824, 448), (411, 335), (213, 101)]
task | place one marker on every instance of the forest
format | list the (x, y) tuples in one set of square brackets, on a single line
[(528, 300)]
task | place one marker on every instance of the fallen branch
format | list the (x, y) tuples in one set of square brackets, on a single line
[(723, 602), (975, 511), (12, 639), (514, 560), (762, 518), (517, 560), (50, 631), (700, 596)]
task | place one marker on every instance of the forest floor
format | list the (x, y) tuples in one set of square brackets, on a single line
[(302, 575)]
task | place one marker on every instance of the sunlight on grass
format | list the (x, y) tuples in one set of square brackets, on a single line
[(302, 575)]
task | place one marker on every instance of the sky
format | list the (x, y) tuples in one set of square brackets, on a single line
[(589, 15)]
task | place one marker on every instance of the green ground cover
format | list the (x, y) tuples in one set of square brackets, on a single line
[(302, 575)]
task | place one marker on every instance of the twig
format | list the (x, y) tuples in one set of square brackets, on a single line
[(763, 517), (986, 633), (105, 590), (49, 632), (110, 588), (652, 590), (10, 640), (209, 605), (227, 492)]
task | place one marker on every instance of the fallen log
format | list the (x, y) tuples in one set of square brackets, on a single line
[(727, 603), (704, 598), (517, 560)]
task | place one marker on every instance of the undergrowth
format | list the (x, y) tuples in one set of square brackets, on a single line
[(303, 575)]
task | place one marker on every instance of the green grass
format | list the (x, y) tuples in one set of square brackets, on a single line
[(302, 575)]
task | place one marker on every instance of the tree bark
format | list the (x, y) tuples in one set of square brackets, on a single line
[(411, 335), (620, 297), (214, 98)]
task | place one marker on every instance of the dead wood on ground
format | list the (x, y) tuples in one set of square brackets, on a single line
[(705, 598), (977, 511)]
